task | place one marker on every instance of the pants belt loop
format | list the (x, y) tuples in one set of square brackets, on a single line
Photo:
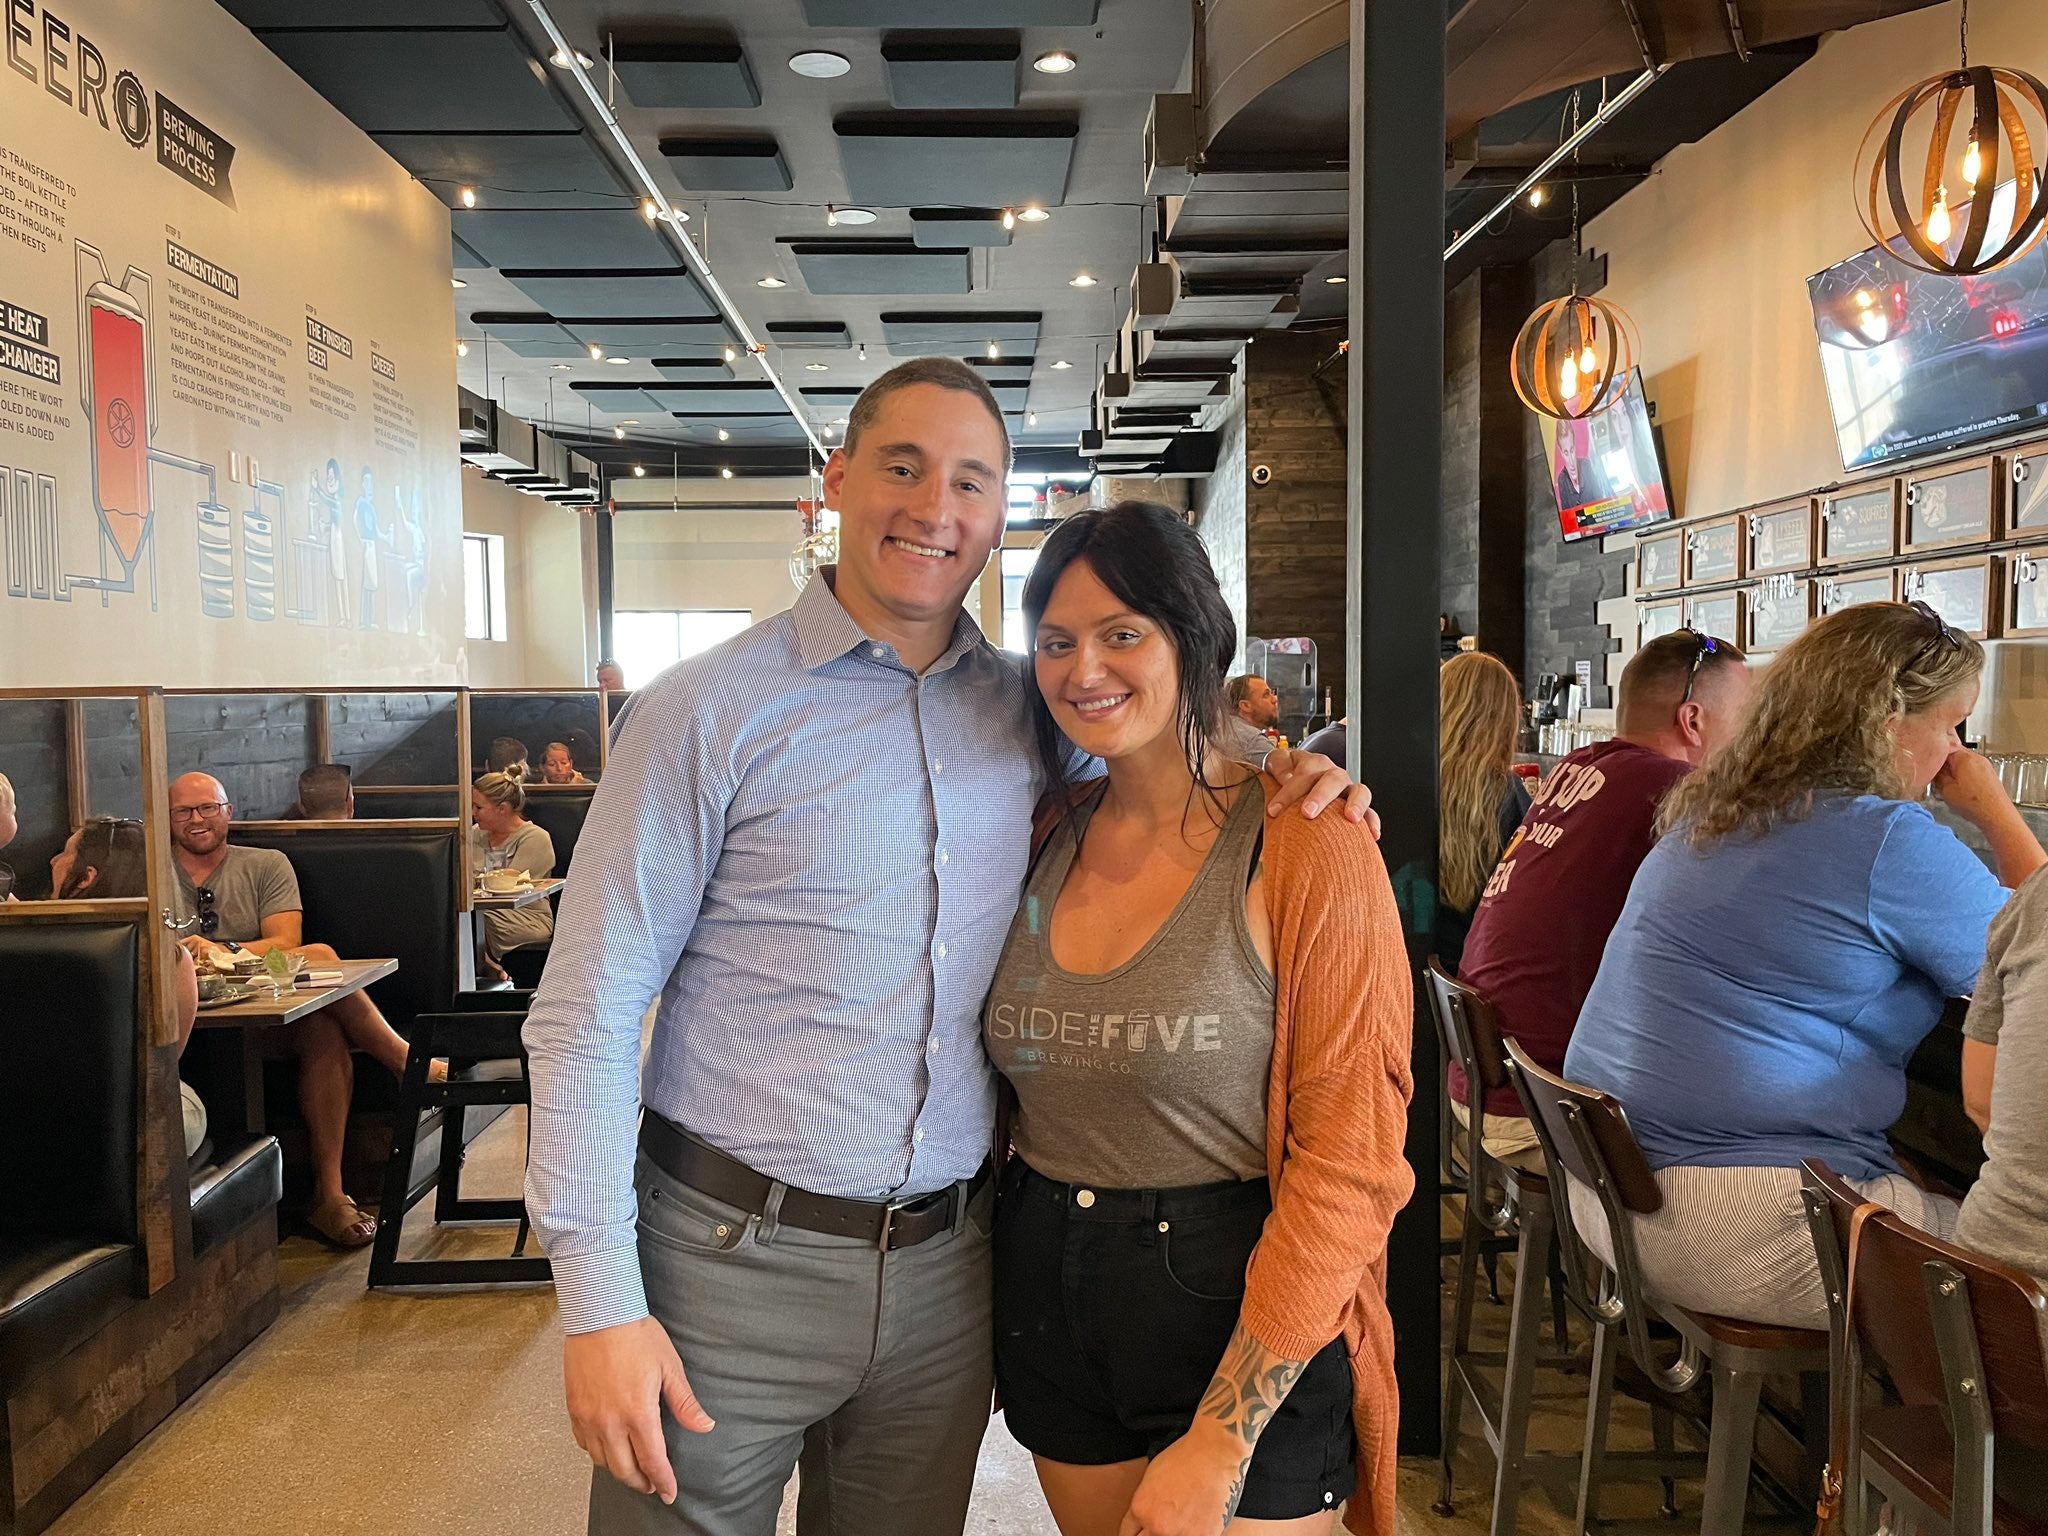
[(1149, 1208), (961, 1199), (771, 1213)]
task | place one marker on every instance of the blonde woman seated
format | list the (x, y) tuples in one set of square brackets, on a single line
[(1786, 947), (504, 839)]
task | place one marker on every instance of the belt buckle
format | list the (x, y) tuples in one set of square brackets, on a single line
[(891, 1210)]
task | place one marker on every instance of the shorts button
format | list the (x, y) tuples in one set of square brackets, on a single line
[(1329, 1498), (1165, 1226), (723, 1230), (1085, 1199)]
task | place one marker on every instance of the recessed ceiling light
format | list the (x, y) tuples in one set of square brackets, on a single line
[(458, 282), (560, 58), (1080, 280), (854, 216), (619, 362), (1033, 215), (816, 367), (819, 65), (1335, 277), (771, 282), (1058, 62), (561, 367), (630, 421), (1063, 363)]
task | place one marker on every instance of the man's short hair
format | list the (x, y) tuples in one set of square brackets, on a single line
[(1654, 679), (505, 751), (946, 373), (1239, 688), (324, 790)]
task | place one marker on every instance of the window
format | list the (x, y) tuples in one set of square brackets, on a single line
[(483, 586), (649, 641), (1016, 569)]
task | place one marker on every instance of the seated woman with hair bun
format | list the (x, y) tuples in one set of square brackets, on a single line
[(1786, 947)]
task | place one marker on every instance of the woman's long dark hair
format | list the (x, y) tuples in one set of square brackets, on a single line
[(115, 849), (1156, 565)]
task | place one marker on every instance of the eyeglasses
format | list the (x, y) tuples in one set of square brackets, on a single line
[(1704, 645), (209, 918), (204, 812), (1943, 635)]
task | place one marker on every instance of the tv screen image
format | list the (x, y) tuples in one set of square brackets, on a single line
[(1605, 469), (1917, 363)]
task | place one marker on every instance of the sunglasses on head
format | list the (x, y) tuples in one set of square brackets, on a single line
[(1704, 645), (209, 918), (1942, 636)]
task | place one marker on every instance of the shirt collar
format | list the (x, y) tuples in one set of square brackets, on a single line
[(825, 631)]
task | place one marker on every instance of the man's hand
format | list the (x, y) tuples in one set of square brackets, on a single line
[(617, 1380), (201, 950), (1192, 1487), (1313, 781)]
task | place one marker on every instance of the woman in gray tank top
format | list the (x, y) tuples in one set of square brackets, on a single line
[(1175, 1342)]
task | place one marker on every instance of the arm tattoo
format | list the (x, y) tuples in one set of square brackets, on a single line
[(1247, 1390)]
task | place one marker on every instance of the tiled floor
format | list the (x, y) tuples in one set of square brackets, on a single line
[(399, 1414)]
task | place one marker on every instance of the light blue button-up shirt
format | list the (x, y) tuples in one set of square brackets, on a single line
[(810, 855)]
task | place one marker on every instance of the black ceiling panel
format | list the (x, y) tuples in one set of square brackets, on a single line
[(644, 338), (530, 335), (698, 399), (1003, 370), (958, 226), (516, 170), (440, 80), (547, 237), (880, 266), (257, 14), (958, 333), (600, 292), (950, 13), (831, 334), (907, 159), (692, 370), (978, 74), (727, 165), (678, 74), (606, 396)]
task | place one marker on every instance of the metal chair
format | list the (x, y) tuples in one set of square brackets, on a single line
[(1959, 1336), (1831, 1215), (1586, 1138), (1471, 1037)]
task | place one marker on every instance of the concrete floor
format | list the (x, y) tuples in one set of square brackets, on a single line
[(401, 1414)]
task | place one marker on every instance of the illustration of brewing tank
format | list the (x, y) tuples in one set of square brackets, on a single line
[(115, 388)]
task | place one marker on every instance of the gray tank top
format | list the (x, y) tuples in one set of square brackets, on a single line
[(1153, 1075)]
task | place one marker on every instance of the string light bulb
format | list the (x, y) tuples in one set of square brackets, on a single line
[(640, 470), (1939, 225), (468, 196), (649, 209), (863, 351), (1031, 418), (724, 436), (726, 472), (731, 356), (461, 348), (1537, 197), (619, 433), (831, 216), (994, 350), (1009, 218)]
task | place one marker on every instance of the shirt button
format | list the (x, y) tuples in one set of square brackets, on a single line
[(939, 953), (918, 1135), (878, 653), (944, 856), (932, 1049), (937, 766), (1085, 1199)]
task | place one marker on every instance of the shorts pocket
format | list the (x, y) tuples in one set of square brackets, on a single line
[(676, 1216), (1205, 1257)]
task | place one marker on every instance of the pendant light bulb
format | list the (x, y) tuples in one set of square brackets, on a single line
[(1588, 363), (1939, 225), (1973, 162), (1568, 377)]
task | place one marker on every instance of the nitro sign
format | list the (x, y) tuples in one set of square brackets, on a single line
[(43, 49)]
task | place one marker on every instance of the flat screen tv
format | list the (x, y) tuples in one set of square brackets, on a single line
[(1605, 468), (1917, 363)]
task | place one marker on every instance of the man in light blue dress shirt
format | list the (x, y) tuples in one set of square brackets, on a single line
[(807, 846)]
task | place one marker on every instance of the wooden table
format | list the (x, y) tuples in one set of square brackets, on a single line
[(240, 1073), (525, 896)]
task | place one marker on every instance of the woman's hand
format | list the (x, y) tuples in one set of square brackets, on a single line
[(1969, 785), (1313, 781), (1192, 1487)]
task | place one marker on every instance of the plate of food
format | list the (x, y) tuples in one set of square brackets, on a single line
[(220, 991)]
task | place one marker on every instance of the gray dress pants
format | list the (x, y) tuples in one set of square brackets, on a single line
[(872, 1370)]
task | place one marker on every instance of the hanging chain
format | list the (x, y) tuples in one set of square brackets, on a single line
[(1578, 252), (1966, 34)]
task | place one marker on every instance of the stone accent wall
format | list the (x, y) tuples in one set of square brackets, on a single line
[(1217, 506), (1457, 547)]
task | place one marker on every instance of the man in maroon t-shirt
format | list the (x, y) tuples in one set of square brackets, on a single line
[(1558, 889)]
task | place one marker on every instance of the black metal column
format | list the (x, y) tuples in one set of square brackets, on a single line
[(605, 584), (1395, 476)]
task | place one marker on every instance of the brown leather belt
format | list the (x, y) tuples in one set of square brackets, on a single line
[(888, 1225)]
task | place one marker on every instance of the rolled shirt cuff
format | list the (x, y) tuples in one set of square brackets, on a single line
[(599, 1290)]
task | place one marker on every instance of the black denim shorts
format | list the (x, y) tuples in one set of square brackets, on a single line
[(1113, 1308)]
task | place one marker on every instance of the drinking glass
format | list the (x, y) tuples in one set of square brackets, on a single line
[(282, 981)]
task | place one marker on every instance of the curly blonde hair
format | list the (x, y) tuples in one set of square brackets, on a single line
[(1481, 717), (1819, 722), (502, 789)]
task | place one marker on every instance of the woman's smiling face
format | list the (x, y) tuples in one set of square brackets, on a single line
[(1110, 677)]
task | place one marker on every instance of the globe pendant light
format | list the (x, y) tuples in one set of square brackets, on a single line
[(1573, 356)]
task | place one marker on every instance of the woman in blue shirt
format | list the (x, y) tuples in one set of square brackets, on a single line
[(1786, 947)]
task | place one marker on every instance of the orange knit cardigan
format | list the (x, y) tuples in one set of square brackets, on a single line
[(1336, 1122)]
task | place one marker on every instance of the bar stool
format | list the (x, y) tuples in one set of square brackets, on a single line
[(1586, 1138), (466, 1036), (1454, 1169), (1470, 1035), (1965, 1448)]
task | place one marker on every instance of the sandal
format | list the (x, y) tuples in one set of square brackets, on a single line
[(342, 1224)]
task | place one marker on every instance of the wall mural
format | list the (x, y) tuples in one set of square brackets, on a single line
[(227, 369)]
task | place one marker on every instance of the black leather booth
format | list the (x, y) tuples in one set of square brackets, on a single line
[(375, 802), (70, 1249), (559, 811)]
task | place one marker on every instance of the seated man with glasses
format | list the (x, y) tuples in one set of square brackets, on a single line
[(241, 899), (1544, 917)]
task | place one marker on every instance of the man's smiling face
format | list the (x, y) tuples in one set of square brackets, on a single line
[(921, 502)]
